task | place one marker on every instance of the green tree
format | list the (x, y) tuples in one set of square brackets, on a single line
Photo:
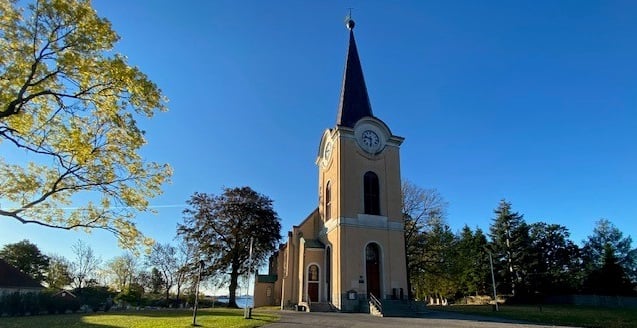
[(606, 235), (222, 226), (71, 104), (610, 278), (156, 281), (473, 262), (131, 294), (27, 257), (58, 273), (555, 266), (435, 274), (419, 206), (511, 247)]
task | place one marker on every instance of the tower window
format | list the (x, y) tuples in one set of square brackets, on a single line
[(328, 201), (371, 193)]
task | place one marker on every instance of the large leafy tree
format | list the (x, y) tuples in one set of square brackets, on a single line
[(70, 104), (122, 270), (222, 226), (606, 237), (58, 273), (554, 260), (27, 257), (419, 207), (511, 247)]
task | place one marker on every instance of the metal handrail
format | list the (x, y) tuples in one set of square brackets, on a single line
[(376, 302)]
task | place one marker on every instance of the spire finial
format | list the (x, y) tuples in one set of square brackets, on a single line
[(349, 22)]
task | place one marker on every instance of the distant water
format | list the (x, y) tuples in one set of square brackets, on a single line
[(242, 301)]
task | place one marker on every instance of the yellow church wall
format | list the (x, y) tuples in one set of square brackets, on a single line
[(263, 294)]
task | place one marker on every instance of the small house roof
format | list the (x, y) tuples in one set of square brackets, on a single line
[(11, 277)]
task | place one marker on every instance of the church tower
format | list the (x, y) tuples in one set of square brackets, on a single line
[(350, 249), (360, 199)]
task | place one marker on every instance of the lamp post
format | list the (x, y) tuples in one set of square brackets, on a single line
[(247, 313), (495, 297), (194, 310)]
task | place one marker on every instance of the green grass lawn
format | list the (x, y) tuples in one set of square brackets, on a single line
[(562, 315), (218, 317)]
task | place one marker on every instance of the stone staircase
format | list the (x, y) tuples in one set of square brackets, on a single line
[(396, 308), (321, 307)]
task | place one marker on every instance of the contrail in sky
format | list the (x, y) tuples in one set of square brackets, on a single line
[(116, 207)]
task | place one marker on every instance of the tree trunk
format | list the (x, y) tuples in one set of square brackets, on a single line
[(234, 277)]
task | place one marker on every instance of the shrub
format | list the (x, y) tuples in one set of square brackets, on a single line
[(95, 297)]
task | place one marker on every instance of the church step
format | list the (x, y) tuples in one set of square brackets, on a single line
[(321, 307), (398, 308)]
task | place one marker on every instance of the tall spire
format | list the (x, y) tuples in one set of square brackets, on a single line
[(354, 103)]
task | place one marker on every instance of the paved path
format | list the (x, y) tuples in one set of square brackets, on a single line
[(291, 319)]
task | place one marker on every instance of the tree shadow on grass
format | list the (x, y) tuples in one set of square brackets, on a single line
[(116, 319), (51, 321)]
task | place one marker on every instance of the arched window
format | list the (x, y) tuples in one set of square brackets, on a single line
[(371, 193), (313, 273), (328, 201)]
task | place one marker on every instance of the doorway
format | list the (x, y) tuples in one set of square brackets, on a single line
[(372, 269), (313, 283)]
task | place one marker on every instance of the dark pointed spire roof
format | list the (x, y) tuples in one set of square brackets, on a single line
[(354, 103)]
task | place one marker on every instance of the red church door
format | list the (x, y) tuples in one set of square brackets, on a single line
[(372, 269), (313, 283), (313, 291)]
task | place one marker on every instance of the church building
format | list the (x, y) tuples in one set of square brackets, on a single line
[(350, 250)]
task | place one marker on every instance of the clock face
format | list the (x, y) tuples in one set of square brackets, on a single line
[(328, 151), (370, 140)]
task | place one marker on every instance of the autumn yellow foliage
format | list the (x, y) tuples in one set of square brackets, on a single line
[(71, 103)]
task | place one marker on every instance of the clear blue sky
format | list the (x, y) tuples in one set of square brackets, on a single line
[(532, 101)]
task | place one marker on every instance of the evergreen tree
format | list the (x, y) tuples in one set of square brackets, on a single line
[(472, 261), (156, 281), (606, 235), (510, 243), (610, 278), (436, 275)]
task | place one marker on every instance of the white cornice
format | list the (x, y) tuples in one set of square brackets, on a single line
[(366, 221)]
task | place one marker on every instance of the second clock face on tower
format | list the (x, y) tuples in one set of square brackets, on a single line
[(327, 152)]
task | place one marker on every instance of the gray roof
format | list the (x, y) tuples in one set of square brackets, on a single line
[(313, 243)]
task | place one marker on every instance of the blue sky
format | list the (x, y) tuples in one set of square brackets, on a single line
[(532, 101)]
